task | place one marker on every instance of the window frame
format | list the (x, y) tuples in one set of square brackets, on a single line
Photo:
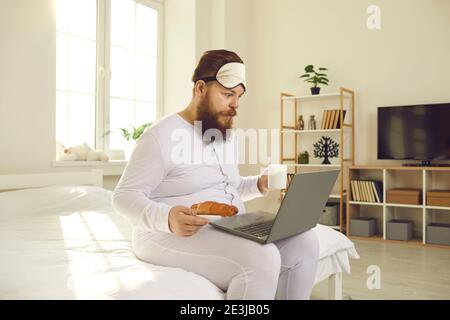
[(103, 70), (70, 35)]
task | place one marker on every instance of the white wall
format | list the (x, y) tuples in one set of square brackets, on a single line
[(180, 53), (27, 86), (404, 62)]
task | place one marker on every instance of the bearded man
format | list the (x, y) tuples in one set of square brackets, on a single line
[(156, 193)]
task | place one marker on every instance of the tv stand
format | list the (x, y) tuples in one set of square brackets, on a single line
[(425, 179), (425, 163)]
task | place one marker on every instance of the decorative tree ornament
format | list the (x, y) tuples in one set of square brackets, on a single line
[(326, 148)]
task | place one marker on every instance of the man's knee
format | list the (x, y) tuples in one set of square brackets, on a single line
[(300, 248), (310, 244), (266, 259), (272, 255)]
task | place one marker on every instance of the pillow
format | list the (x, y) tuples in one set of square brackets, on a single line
[(332, 241), (51, 198), (46, 204)]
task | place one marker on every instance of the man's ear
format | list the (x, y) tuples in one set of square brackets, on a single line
[(200, 88)]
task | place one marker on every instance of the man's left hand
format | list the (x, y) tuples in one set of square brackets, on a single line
[(263, 183)]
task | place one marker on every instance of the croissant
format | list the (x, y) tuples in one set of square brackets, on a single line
[(215, 208)]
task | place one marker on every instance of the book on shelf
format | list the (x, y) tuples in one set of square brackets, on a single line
[(355, 195), (331, 119), (377, 199), (367, 190), (358, 191), (371, 191), (327, 118), (352, 190), (365, 194), (364, 191), (336, 119), (338, 126), (324, 116), (379, 189), (358, 196)]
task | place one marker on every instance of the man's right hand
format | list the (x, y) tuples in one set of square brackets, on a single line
[(183, 221)]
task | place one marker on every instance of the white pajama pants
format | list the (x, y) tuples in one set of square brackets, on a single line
[(242, 268)]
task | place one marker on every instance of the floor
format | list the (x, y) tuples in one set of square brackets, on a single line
[(406, 272)]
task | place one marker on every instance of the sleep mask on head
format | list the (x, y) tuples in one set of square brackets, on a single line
[(230, 75)]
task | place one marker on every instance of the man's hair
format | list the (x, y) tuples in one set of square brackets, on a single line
[(211, 61)]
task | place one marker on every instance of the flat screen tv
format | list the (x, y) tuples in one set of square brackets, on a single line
[(414, 132)]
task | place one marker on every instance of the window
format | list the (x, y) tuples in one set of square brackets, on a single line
[(108, 62), (76, 71)]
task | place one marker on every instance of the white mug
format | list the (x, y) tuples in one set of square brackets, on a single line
[(277, 176)]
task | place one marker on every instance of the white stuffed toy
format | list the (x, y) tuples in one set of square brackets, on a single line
[(81, 152)]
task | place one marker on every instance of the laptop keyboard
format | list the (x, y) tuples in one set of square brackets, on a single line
[(258, 229)]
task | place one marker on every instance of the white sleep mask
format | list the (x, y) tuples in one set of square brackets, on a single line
[(230, 75)]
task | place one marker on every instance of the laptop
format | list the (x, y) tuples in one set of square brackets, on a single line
[(299, 211)]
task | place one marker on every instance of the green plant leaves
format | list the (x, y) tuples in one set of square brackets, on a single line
[(315, 77), (309, 68), (135, 133), (125, 134)]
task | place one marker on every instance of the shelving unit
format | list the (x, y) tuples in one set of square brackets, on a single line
[(424, 178), (343, 100)]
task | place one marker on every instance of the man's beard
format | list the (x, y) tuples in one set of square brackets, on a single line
[(210, 119)]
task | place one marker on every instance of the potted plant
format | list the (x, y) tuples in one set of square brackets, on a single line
[(135, 133), (303, 157), (130, 135), (315, 77)]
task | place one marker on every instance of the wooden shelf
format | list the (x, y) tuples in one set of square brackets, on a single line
[(404, 177), (312, 131), (313, 165), (366, 203), (394, 204), (283, 192), (294, 136), (400, 205), (437, 208), (314, 97)]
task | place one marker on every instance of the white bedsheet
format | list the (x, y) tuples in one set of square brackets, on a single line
[(67, 243)]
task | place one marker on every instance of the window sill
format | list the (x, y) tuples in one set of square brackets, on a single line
[(110, 168)]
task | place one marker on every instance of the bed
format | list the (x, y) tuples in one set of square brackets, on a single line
[(61, 239)]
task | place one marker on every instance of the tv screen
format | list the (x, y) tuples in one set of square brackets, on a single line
[(416, 132)]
